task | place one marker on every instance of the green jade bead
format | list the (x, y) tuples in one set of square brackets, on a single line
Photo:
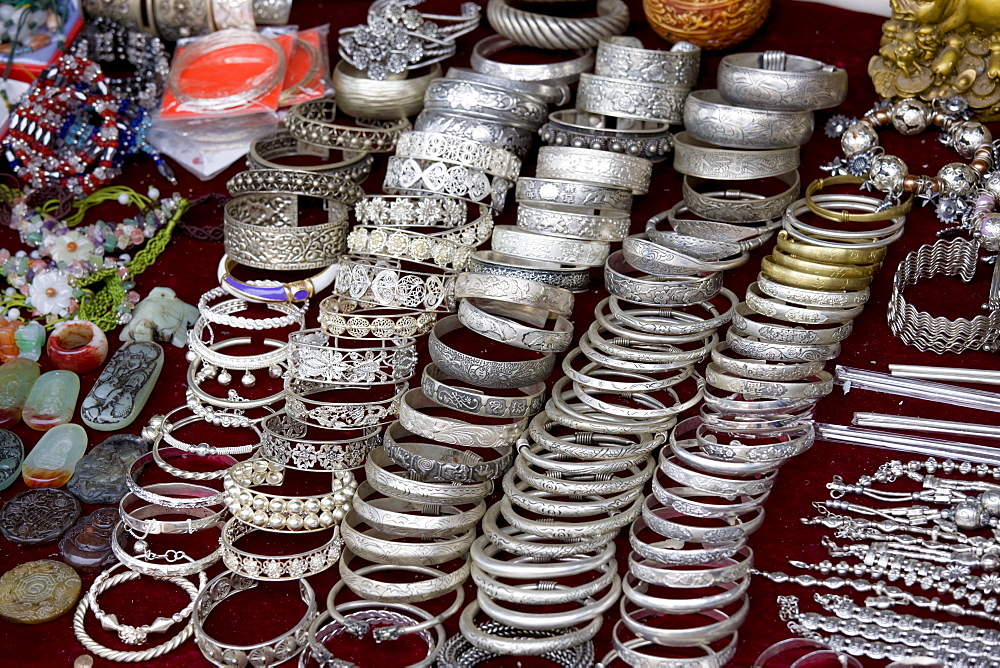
[(53, 460), (52, 400), (17, 377)]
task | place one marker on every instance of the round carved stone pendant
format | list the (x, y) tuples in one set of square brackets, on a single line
[(38, 591), (38, 516)]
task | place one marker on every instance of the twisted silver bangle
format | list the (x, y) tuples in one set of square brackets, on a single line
[(556, 32)]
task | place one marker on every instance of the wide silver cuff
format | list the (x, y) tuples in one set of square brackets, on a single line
[(776, 80), (711, 119)]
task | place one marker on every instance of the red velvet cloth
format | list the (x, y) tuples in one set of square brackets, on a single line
[(842, 38)]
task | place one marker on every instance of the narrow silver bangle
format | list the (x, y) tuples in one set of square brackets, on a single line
[(559, 73), (697, 158)]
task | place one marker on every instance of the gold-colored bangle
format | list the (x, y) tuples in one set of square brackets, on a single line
[(799, 279), (830, 255), (833, 270), (845, 216)]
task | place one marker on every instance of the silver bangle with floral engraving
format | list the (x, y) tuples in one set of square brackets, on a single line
[(505, 323), (339, 316), (697, 158), (735, 206), (295, 182), (746, 319), (711, 119), (574, 279), (623, 57), (514, 291), (473, 401), (755, 369), (659, 260), (483, 100), (453, 431), (627, 98), (522, 243), (440, 463), (740, 342), (573, 222), (613, 170), (658, 291), (768, 388), (401, 486), (513, 138), (776, 80), (404, 518), (485, 373)]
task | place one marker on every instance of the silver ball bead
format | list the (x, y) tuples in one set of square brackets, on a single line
[(887, 173), (140, 547), (858, 138), (968, 136), (910, 117), (970, 515), (990, 502), (990, 563), (992, 185), (958, 178)]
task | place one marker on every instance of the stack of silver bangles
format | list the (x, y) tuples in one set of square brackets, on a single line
[(145, 542), (416, 515), (719, 467)]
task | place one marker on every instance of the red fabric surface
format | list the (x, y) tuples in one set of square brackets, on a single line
[(188, 266)]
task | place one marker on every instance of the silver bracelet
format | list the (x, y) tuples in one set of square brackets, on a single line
[(480, 372), (278, 649), (543, 31), (284, 442), (574, 279), (625, 98), (573, 193), (558, 73), (710, 119), (938, 334), (696, 158), (274, 567), (775, 80), (573, 223), (522, 243), (603, 168), (624, 58), (514, 291), (472, 400)]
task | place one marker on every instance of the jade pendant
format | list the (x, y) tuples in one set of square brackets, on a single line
[(52, 400), (53, 459), (16, 380)]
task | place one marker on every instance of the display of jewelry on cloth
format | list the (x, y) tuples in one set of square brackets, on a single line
[(72, 131), (952, 189), (73, 270), (931, 524)]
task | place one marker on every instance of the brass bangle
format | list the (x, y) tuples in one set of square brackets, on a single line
[(799, 279), (807, 251), (818, 185), (833, 270)]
